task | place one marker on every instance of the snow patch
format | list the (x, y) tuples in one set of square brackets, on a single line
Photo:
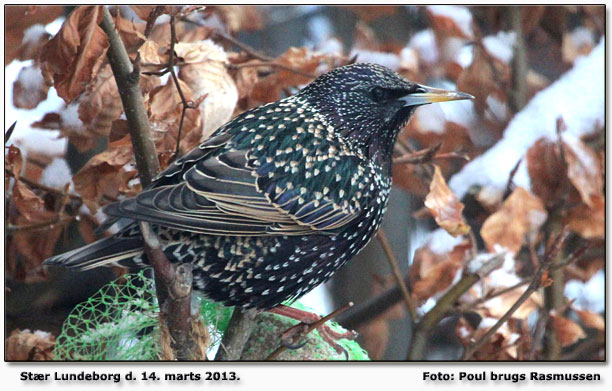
[(33, 34), (389, 60), (538, 119), (501, 45), (31, 79), (330, 46), (70, 118), (28, 139), (506, 275), (431, 118), (57, 174), (424, 42), (588, 295), (441, 242)]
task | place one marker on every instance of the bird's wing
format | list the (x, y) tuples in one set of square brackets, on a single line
[(222, 195), (232, 186)]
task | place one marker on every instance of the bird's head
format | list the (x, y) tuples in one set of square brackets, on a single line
[(369, 104)]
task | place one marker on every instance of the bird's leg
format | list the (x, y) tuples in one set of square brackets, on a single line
[(309, 321)]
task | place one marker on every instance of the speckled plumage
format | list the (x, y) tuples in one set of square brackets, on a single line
[(279, 198)]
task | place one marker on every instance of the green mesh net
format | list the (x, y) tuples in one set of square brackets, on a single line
[(120, 322)]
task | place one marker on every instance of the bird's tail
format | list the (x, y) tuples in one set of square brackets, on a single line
[(111, 251)]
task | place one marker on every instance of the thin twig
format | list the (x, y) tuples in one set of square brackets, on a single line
[(538, 333), (273, 65), (494, 294), (554, 295), (427, 170), (592, 345), (382, 237), (369, 310), (433, 317), (473, 243), (570, 259), (418, 157), (242, 46), (45, 188), (186, 104), (37, 226), (510, 183), (534, 285), (157, 11)]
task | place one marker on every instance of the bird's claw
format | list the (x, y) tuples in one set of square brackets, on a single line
[(292, 338)]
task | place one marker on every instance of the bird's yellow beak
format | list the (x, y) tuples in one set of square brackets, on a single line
[(433, 95)]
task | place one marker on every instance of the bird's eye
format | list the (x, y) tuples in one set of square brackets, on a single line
[(378, 94)]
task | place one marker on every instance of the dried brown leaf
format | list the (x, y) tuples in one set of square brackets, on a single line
[(498, 306), (584, 170), (239, 17), (32, 45), (367, 13), (566, 330), (246, 79), (144, 11), (150, 53), (588, 222), (51, 121), (19, 18), (165, 112), (301, 60), (13, 161), (31, 206), (545, 165), (521, 213), (33, 246), (131, 33), (23, 345), (591, 319), (576, 45), (483, 77), (431, 273), (106, 175), (445, 207), (101, 104), (447, 26), (207, 76), (76, 52), (30, 88)]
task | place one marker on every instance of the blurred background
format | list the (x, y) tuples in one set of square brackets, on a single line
[(504, 56)]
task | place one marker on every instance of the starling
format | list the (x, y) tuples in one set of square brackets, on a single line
[(280, 197)]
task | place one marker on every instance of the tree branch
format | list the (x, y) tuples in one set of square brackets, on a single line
[(131, 97), (173, 284), (518, 94), (433, 317), (535, 284), (397, 274), (237, 334), (444, 304)]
